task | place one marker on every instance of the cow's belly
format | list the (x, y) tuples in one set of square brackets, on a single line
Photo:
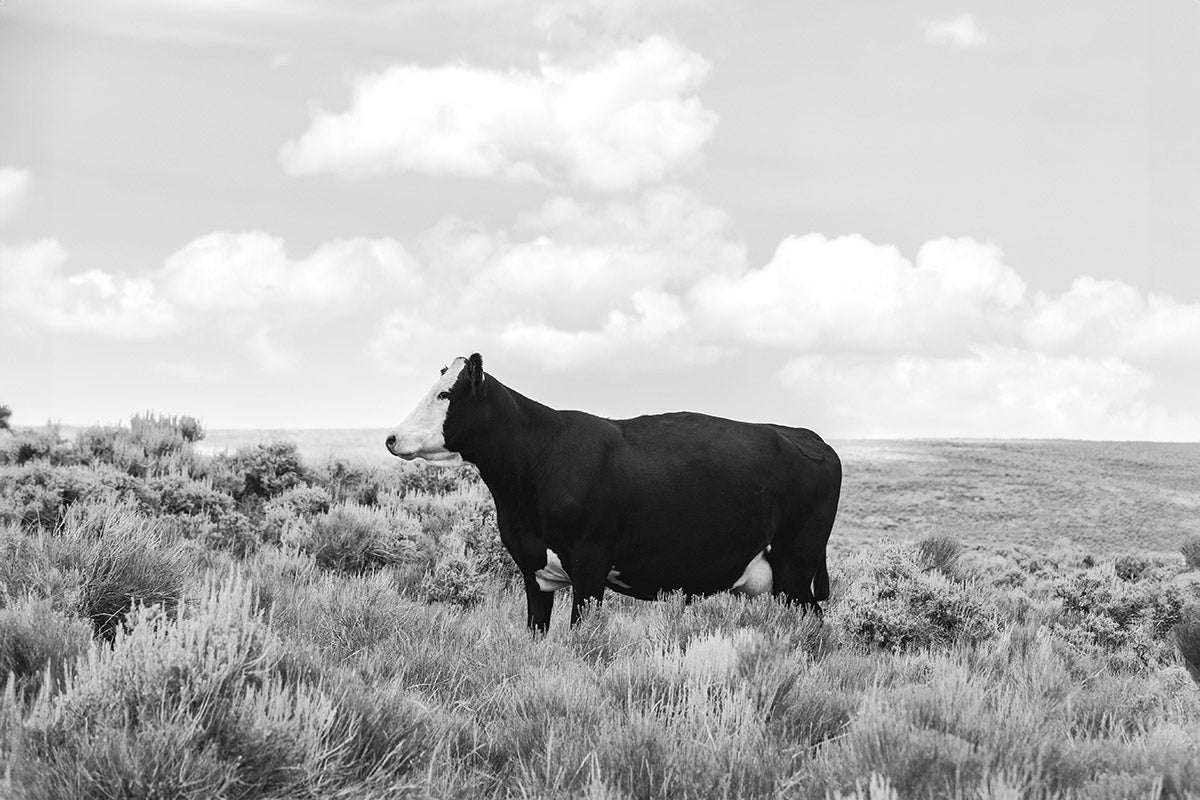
[(756, 578)]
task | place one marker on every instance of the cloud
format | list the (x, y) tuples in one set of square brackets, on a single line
[(629, 119), (14, 183), (961, 31), (646, 337), (849, 294), (991, 393), (574, 282), (1098, 317), (949, 341), (240, 287), (251, 273), (39, 293)]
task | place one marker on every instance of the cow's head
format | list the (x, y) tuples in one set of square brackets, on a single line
[(444, 415)]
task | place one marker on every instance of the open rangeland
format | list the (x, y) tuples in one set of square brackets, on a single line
[(292, 615)]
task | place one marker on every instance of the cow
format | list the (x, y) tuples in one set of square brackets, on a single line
[(643, 506)]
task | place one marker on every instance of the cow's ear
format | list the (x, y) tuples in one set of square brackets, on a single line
[(475, 372)]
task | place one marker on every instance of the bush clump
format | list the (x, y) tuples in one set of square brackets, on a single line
[(347, 482), (1130, 567), (350, 538), (125, 560), (1102, 612), (939, 551), (453, 580), (428, 479), (1191, 551), (895, 604), (302, 501), (37, 494), (269, 469), (194, 706), (177, 494), (293, 507), (30, 445), (1187, 640), (35, 637)]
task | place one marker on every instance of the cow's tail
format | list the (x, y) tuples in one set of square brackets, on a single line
[(820, 584)]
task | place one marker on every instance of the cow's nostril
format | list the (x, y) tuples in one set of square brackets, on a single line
[(391, 440)]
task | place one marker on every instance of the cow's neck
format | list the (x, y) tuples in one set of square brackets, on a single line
[(509, 452)]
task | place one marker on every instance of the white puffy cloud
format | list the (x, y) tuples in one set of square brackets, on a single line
[(242, 287), (961, 31), (574, 281), (633, 340), (629, 119), (1106, 317), (251, 273), (993, 392), (37, 292), (571, 264), (850, 294), (14, 183), (947, 342)]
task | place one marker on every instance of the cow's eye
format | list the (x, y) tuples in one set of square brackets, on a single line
[(443, 396)]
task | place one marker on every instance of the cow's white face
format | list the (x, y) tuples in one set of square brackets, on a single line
[(422, 434)]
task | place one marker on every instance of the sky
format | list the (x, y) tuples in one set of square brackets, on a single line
[(928, 219)]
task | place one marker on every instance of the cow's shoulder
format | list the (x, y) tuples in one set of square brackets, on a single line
[(574, 470)]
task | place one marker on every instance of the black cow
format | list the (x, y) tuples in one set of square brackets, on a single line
[(641, 506)]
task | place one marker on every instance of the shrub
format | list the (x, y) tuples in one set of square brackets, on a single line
[(351, 483), (153, 444), (1187, 640), (177, 494), (1191, 551), (126, 562), (292, 508), (1131, 567), (425, 478), (36, 494), (232, 531), (302, 501), (100, 444), (29, 445), (352, 538), (939, 551), (33, 638), (158, 703), (895, 604), (192, 706), (481, 541), (1101, 611), (160, 435), (453, 580), (269, 469)]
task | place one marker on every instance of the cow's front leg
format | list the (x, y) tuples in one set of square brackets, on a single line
[(539, 603)]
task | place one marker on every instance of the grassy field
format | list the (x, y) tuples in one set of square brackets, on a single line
[(228, 617)]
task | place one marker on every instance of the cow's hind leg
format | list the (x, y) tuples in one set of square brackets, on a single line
[(539, 604), (797, 559), (792, 579)]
